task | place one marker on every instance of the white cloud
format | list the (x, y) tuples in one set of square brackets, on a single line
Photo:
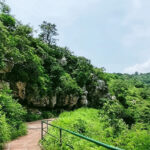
[(141, 68)]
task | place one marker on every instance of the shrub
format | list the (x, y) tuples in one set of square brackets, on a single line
[(85, 121), (4, 130), (92, 123), (12, 115)]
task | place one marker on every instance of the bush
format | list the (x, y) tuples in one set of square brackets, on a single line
[(12, 116), (135, 139), (40, 114), (4, 130), (91, 123), (84, 121)]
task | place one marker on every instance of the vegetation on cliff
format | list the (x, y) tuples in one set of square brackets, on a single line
[(56, 77)]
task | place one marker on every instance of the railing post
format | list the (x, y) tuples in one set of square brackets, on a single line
[(60, 137), (42, 130)]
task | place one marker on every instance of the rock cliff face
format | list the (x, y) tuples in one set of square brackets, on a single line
[(56, 101), (61, 101), (4, 84), (21, 88), (90, 96)]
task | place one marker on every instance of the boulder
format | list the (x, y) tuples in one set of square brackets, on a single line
[(113, 97), (101, 85), (21, 87), (53, 101), (63, 61), (84, 101), (73, 101), (4, 84)]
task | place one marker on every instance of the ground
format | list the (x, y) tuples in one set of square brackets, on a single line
[(29, 141)]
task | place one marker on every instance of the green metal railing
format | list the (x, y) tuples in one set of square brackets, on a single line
[(46, 122)]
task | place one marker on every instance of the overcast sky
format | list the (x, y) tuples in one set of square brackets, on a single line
[(114, 34)]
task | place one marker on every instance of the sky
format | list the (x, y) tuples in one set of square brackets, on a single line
[(114, 34)]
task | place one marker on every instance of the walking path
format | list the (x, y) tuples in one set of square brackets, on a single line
[(29, 141)]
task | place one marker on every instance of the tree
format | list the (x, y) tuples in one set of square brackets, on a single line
[(4, 8), (48, 32)]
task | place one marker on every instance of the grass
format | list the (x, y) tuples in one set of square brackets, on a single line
[(91, 123)]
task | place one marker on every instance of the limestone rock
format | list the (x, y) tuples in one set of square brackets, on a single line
[(66, 100), (21, 89), (53, 101), (63, 61), (113, 97), (84, 101), (101, 84), (73, 101), (36, 103), (4, 84)]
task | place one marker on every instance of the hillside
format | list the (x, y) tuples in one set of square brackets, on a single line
[(41, 74), (35, 73)]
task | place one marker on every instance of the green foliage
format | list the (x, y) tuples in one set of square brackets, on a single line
[(69, 85), (83, 71), (122, 121), (4, 130), (92, 123), (42, 114), (11, 117), (48, 32), (137, 138), (7, 20), (83, 121), (132, 91)]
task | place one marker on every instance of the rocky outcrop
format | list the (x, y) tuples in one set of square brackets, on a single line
[(21, 89), (38, 102), (113, 97), (68, 101), (73, 101), (83, 101), (91, 95), (101, 86), (53, 101), (63, 61), (97, 92), (4, 85)]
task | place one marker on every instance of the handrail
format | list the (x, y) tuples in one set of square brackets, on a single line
[(78, 135)]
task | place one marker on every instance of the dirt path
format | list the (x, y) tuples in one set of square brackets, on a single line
[(29, 141)]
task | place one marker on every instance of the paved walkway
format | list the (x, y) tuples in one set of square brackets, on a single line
[(29, 141)]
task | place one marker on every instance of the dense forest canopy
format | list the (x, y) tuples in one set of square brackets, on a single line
[(36, 73)]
